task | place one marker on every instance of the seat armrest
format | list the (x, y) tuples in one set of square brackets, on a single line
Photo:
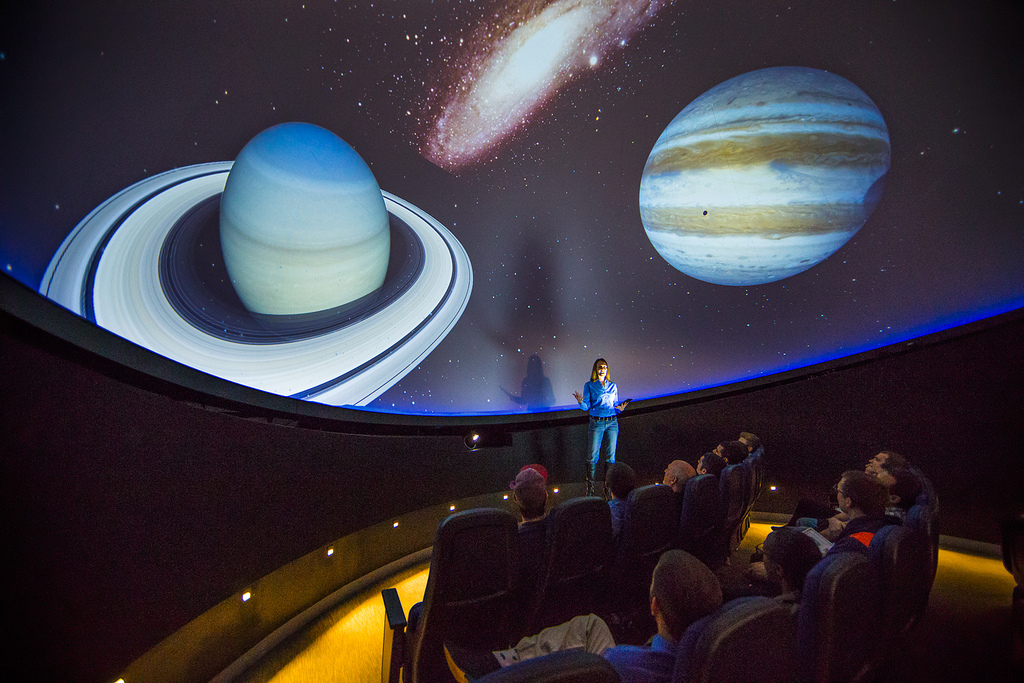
[(394, 637), (393, 611)]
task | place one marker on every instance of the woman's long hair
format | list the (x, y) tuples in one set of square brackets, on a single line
[(593, 372)]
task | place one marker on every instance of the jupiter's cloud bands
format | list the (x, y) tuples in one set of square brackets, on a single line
[(764, 176)]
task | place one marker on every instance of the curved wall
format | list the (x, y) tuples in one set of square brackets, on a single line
[(132, 509)]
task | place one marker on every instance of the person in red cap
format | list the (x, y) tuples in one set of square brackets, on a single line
[(530, 494), (536, 466)]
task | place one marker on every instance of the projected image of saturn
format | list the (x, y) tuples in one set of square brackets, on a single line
[(287, 270)]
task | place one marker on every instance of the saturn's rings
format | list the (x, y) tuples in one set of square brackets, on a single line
[(108, 267)]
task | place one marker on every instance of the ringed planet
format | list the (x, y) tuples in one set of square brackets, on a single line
[(148, 265), (303, 226)]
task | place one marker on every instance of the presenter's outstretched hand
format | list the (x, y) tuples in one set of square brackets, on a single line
[(578, 396)]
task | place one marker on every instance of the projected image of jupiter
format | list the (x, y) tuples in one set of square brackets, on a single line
[(764, 176)]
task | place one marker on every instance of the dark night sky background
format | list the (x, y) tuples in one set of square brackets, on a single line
[(97, 96)]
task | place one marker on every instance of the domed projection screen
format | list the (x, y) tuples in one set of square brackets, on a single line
[(453, 208)]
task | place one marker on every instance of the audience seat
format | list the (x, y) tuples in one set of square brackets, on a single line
[(1013, 547), (921, 519), (748, 465), (756, 461), (733, 492), (751, 477), (747, 639), (927, 496), (580, 552), (469, 597), (838, 632), (570, 666), (649, 528), (902, 558), (1013, 559), (701, 519), (856, 608)]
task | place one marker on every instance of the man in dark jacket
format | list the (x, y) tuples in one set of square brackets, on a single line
[(863, 499)]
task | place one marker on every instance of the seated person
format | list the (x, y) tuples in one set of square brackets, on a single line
[(619, 481), (683, 590), (823, 517), (789, 554), (889, 459), (677, 474), (863, 500), (530, 494), (752, 443), (711, 463), (904, 487), (732, 451)]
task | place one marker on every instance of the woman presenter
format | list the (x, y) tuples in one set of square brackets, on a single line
[(600, 398)]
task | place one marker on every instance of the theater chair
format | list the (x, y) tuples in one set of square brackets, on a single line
[(838, 626), (929, 499), (648, 529), (756, 463), (902, 558), (580, 553), (752, 486), (747, 639), (921, 519), (571, 666), (734, 486), (469, 597), (1013, 560), (701, 519)]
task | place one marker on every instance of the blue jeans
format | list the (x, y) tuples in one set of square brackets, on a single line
[(604, 434)]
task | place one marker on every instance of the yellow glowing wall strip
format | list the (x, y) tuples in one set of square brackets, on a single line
[(219, 642), (345, 644)]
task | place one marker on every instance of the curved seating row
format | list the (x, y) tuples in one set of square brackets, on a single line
[(715, 510), (855, 611), (473, 597)]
